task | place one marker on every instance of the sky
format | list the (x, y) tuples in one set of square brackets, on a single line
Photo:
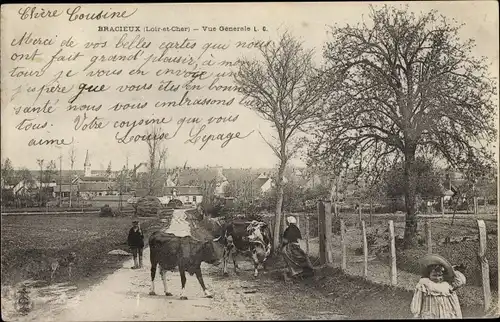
[(307, 21)]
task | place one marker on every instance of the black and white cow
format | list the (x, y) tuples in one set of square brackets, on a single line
[(249, 238)]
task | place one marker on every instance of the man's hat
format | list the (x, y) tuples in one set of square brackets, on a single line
[(434, 259)]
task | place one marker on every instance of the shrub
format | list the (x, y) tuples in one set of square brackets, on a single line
[(175, 203), (148, 206), (214, 207), (106, 211)]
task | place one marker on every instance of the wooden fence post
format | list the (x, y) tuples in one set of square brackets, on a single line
[(365, 250), (321, 232), (475, 206), (342, 245), (394, 274), (359, 210), (307, 234), (442, 206), (428, 236), (328, 232), (298, 220), (485, 269)]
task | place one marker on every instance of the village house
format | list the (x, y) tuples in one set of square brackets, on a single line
[(87, 183), (187, 184), (22, 186), (186, 194)]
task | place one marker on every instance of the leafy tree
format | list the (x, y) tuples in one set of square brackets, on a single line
[(8, 175), (319, 191), (427, 179), (8, 172), (293, 197), (211, 204), (410, 87), (282, 86), (244, 189), (26, 176)]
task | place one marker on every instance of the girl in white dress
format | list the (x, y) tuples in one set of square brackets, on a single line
[(435, 294)]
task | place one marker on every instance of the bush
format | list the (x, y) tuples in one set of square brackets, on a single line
[(148, 206), (175, 203), (214, 207), (106, 211), (397, 205)]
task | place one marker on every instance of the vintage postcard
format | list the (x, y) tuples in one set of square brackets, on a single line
[(249, 161)]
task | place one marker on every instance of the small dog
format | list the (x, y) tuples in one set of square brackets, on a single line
[(65, 261)]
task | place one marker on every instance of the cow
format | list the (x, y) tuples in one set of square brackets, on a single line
[(186, 253), (249, 238)]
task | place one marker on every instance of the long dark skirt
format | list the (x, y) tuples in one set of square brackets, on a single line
[(297, 260)]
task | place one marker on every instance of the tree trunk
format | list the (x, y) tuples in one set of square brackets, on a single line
[(279, 205), (410, 196), (70, 193), (71, 186)]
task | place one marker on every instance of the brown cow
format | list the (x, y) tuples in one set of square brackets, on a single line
[(186, 253)]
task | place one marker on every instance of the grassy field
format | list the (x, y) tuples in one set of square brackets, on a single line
[(464, 252), (28, 242)]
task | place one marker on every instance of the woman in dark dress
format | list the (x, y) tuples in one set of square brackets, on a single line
[(297, 260)]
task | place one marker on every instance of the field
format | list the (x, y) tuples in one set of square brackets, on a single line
[(29, 241), (464, 252)]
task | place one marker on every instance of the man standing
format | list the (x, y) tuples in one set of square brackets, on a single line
[(136, 243)]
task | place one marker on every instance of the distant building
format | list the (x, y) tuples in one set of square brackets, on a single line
[(87, 166), (186, 194), (22, 186), (264, 183), (91, 185)]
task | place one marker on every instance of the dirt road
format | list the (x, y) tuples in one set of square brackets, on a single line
[(123, 295)]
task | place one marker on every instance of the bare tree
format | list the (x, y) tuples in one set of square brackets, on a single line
[(40, 164), (411, 87), (72, 159), (284, 88), (157, 153), (122, 184), (50, 171)]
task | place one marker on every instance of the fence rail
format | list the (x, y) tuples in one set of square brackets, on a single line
[(348, 238)]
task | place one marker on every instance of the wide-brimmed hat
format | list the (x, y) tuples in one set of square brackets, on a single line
[(434, 259), (291, 220), (135, 221)]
